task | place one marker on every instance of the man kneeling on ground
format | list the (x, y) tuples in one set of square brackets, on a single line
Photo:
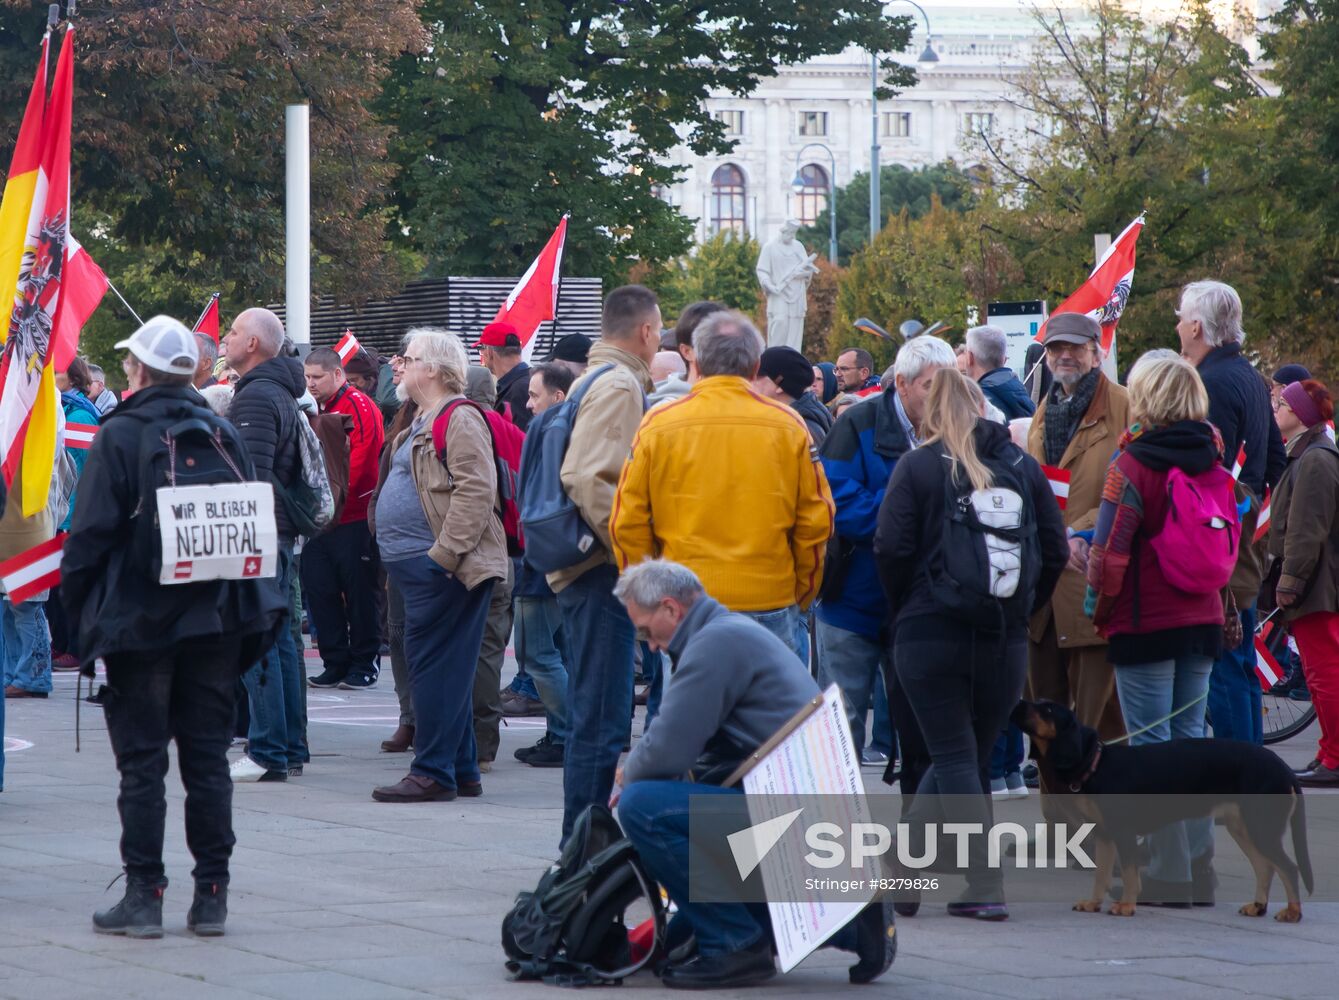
[(734, 683)]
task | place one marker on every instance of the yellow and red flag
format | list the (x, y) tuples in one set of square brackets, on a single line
[(30, 412), (18, 198)]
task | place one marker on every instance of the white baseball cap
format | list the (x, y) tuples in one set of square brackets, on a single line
[(165, 345)]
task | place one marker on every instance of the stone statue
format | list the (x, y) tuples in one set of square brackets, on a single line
[(784, 271)]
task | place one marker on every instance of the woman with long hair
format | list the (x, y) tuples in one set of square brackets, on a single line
[(961, 679), (1163, 639), (1304, 539)]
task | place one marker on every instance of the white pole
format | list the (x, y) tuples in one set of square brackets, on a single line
[(297, 210)]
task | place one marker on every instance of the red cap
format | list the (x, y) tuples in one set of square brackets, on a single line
[(500, 334)]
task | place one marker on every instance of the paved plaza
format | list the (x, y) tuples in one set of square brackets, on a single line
[(336, 897)]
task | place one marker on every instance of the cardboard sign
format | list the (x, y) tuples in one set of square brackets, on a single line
[(220, 532)]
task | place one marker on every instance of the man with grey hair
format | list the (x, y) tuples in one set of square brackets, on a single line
[(103, 398), (756, 535), (209, 356), (983, 360), (265, 411), (1210, 330), (859, 456), (732, 685)]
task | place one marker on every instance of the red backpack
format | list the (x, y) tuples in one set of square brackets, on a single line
[(507, 442), (1197, 546)]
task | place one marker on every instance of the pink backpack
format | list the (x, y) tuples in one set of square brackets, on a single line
[(1197, 547)]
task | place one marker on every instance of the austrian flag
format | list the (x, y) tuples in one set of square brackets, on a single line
[(347, 347), (1104, 294), (1059, 480), (80, 436), (29, 573), (1262, 522), (1267, 668)]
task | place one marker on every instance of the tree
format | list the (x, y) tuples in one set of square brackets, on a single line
[(517, 113), (724, 269), (178, 143), (899, 188)]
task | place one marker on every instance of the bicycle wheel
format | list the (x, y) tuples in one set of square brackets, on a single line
[(1287, 706)]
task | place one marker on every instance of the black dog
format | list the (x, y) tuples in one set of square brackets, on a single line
[(1177, 780)]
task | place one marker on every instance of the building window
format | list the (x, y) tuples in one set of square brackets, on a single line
[(897, 124), (812, 198), (732, 120), (813, 123), (727, 200), (978, 123)]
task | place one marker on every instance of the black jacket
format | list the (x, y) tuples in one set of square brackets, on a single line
[(514, 388), (1003, 389), (1239, 407), (107, 588), (911, 525), (816, 417), (264, 410)]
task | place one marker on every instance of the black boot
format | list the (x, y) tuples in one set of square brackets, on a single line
[(138, 915), (208, 910)]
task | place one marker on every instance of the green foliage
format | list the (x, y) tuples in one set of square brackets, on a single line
[(724, 269), (899, 188), (517, 113)]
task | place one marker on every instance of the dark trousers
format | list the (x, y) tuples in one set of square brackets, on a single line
[(962, 685), (910, 742), (443, 629), (600, 638), (339, 577), (185, 694)]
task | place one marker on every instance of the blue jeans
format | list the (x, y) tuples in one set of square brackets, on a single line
[(788, 625), (1007, 757), (854, 663), (1234, 691), (27, 646), (277, 735), (443, 630), (599, 688), (538, 621), (654, 815), (1152, 691)]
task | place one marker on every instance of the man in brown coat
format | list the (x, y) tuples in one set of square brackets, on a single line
[(1076, 429)]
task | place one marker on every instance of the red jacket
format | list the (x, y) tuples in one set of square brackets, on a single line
[(364, 448)]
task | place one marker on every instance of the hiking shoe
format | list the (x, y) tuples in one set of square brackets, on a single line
[(546, 753), (523, 753), (357, 682), (325, 679), (522, 707), (208, 910), (244, 769), (139, 914)]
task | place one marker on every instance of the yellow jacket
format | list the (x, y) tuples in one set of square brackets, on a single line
[(727, 483)]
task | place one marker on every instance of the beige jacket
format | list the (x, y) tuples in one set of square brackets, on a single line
[(1089, 453), (601, 441), (460, 497)]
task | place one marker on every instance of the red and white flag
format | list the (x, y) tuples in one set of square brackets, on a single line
[(1267, 668), (80, 436), (1104, 294), (208, 323), (535, 297), (1059, 480), (1240, 463), (182, 571), (1262, 522), (347, 347), (29, 573), (82, 287)]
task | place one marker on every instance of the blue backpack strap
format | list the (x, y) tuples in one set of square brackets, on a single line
[(576, 397)]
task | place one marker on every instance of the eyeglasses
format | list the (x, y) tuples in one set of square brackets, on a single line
[(845, 368), (1065, 347), (1281, 404)]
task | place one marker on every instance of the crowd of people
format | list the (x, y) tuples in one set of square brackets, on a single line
[(790, 512)]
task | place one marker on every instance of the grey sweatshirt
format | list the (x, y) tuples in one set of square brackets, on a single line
[(729, 677)]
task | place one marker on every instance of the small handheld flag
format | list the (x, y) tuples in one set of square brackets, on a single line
[(1267, 669), (347, 347), (80, 436), (1262, 522), (1059, 480), (29, 573)]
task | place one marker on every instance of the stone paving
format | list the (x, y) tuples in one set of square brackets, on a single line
[(336, 897)]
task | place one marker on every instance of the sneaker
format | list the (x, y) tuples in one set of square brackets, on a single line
[(549, 755), (998, 788), (246, 769), (64, 661), (1031, 776), (326, 679), (1014, 782), (869, 757), (294, 770), (358, 682)]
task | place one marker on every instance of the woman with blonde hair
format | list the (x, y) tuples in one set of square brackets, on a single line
[(1163, 637), (963, 677)]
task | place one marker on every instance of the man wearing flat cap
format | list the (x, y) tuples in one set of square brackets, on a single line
[(1076, 430), (500, 352)]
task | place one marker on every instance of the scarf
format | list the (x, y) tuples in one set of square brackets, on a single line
[(1063, 414), (1190, 445)]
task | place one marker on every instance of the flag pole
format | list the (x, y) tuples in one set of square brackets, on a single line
[(128, 306), (212, 299)]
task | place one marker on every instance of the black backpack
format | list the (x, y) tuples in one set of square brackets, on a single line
[(988, 561), (199, 450), (570, 930)]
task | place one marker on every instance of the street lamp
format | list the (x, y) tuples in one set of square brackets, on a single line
[(927, 56), (798, 185)]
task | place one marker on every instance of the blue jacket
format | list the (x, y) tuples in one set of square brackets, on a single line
[(858, 456), (78, 410), (1239, 408), (1006, 393)]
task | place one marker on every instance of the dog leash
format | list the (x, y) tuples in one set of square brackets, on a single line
[(1157, 722)]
